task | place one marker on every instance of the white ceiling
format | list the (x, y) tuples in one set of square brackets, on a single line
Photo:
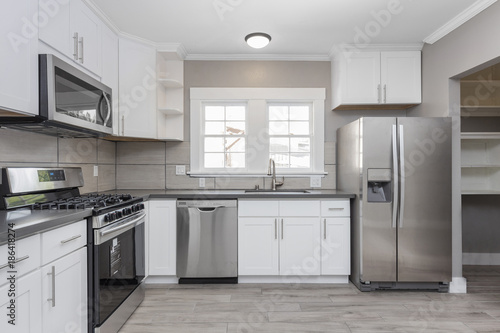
[(216, 28)]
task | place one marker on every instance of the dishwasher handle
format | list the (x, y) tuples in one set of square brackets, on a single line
[(208, 209)]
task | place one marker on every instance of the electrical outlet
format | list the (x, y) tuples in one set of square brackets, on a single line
[(96, 170), (201, 182), (315, 181), (180, 170)]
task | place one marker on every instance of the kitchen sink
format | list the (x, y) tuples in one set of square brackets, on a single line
[(278, 191)]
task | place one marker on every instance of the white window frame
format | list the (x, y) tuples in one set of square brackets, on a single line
[(257, 143)]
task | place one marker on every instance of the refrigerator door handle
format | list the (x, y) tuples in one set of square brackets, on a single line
[(395, 176), (402, 157)]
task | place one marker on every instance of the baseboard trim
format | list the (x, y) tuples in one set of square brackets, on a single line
[(334, 279), (481, 259), (458, 285), (162, 280)]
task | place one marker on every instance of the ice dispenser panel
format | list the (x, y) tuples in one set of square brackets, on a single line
[(379, 185)]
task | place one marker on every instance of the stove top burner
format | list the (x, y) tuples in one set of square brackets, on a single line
[(95, 201)]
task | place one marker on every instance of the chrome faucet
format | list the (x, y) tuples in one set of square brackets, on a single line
[(273, 173)]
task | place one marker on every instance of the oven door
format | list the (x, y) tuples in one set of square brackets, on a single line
[(119, 264)]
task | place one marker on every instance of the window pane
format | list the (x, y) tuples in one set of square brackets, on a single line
[(299, 128), (279, 145), (278, 128), (278, 113), (235, 160), (214, 144), (299, 112), (281, 160), (300, 160), (300, 145), (234, 127), (214, 112), (212, 127), (235, 113), (214, 160), (235, 144)]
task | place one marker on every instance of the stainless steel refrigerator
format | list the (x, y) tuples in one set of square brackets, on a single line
[(400, 171)]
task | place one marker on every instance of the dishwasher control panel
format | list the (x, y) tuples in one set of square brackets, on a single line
[(206, 203)]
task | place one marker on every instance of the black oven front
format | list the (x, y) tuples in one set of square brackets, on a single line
[(118, 271)]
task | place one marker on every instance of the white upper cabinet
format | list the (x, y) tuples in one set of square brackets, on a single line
[(376, 80), (109, 59), (73, 30), (137, 94), (19, 64)]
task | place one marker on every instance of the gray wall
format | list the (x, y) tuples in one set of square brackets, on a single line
[(471, 47), (19, 148)]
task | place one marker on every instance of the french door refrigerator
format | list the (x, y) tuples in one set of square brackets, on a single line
[(400, 171)]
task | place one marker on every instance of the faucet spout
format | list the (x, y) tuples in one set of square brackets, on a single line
[(274, 183)]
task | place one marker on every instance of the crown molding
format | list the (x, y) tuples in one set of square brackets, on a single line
[(105, 18), (353, 48), (260, 57), (458, 20)]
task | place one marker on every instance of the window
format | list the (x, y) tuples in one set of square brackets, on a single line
[(235, 131), (224, 136)]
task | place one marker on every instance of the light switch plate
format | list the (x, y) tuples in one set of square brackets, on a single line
[(180, 170), (201, 182), (96, 170), (315, 181)]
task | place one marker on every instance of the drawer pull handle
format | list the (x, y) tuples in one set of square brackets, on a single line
[(70, 239), (324, 224), (53, 299), (275, 228), (282, 231), (15, 262), (336, 208)]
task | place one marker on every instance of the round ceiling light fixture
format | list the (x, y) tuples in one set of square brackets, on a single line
[(257, 40)]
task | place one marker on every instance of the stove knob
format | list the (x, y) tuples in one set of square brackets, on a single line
[(141, 206), (112, 217), (119, 214), (125, 211), (106, 218)]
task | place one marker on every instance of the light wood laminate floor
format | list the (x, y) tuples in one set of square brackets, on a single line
[(273, 308)]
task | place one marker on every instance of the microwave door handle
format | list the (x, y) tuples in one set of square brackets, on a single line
[(109, 109)]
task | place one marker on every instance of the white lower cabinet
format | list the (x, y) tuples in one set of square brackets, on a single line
[(64, 293), (162, 238), (293, 238), (27, 314)]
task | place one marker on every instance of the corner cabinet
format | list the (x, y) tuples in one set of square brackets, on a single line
[(19, 64), (170, 94), (288, 238), (162, 238), (137, 90), (376, 80)]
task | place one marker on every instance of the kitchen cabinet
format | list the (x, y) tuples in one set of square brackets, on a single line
[(137, 90), (27, 257), (19, 64), (28, 312), (278, 237), (109, 77), (376, 79), (336, 237), (64, 278), (170, 94), (162, 237), (74, 30)]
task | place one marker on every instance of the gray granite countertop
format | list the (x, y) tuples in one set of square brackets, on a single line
[(28, 222), (232, 194)]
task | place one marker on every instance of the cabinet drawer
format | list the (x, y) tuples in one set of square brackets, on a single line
[(61, 241), (258, 208), (27, 257), (299, 208), (340, 207)]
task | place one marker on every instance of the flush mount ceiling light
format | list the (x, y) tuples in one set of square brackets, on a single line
[(257, 40)]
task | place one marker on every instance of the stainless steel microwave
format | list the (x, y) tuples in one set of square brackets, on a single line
[(69, 97)]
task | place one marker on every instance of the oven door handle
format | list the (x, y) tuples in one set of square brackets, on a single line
[(116, 229)]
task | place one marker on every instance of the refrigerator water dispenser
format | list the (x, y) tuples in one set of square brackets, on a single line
[(379, 185)]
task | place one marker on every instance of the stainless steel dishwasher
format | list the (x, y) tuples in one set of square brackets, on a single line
[(207, 241)]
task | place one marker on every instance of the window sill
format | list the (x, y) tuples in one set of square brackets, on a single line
[(253, 175)]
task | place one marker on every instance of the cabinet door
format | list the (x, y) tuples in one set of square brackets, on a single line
[(28, 314), (88, 26), (401, 77), (56, 32), (162, 237), (137, 93), (19, 57), (300, 252), (335, 246), (361, 78), (258, 246), (64, 293), (109, 73)]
